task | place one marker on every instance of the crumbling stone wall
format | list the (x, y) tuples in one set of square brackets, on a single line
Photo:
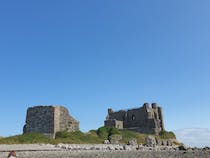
[(65, 121), (48, 120), (114, 123), (145, 119)]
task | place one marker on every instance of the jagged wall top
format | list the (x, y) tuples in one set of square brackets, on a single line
[(49, 120), (145, 119)]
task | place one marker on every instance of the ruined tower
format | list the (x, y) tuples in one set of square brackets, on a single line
[(48, 120), (144, 119)]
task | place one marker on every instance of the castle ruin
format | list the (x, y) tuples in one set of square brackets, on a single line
[(48, 120), (145, 119)]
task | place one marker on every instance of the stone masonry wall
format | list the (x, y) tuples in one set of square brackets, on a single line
[(114, 123), (48, 120), (145, 119), (67, 122), (40, 119)]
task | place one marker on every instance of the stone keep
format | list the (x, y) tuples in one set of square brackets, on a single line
[(145, 119), (48, 120)]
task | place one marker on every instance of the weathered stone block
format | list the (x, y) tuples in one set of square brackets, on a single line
[(115, 139), (48, 120), (150, 141)]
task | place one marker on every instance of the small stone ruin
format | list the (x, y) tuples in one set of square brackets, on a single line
[(48, 120)]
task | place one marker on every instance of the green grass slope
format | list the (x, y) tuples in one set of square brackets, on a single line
[(78, 137), (25, 139)]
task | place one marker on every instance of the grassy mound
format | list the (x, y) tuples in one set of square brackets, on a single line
[(25, 138), (106, 132), (78, 137), (167, 135), (127, 135)]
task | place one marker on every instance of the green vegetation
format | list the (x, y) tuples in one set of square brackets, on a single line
[(106, 132), (126, 134), (78, 137), (25, 138), (167, 135)]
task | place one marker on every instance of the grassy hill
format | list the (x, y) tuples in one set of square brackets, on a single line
[(25, 138), (78, 137)]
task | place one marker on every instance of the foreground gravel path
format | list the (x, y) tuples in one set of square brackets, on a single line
[(51, 151), (28, 147), (111, 154)]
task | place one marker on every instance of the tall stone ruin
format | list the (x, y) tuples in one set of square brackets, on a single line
[(145, 119), (48, 120)]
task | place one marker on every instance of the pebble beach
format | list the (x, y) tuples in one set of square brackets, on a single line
[(100, 151)]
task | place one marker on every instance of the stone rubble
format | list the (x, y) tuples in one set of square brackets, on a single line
[(108, 147)]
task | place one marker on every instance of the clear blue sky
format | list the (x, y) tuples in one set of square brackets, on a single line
[(91, 55)]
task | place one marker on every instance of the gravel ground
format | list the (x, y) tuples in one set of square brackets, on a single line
[(50, 151), (16, 147), (111, 154)]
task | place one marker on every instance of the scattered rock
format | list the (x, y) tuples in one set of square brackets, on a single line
[(169, 142), (126, 147), (110, 147), (158, 142), (132, 141), (150, 141), (206, 148), (182, 147), (106, 142), (102, 151), (115, 139), (164, 142)]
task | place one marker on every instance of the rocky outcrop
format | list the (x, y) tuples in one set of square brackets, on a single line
[(152, 141), (182, 147), (115, 139)]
